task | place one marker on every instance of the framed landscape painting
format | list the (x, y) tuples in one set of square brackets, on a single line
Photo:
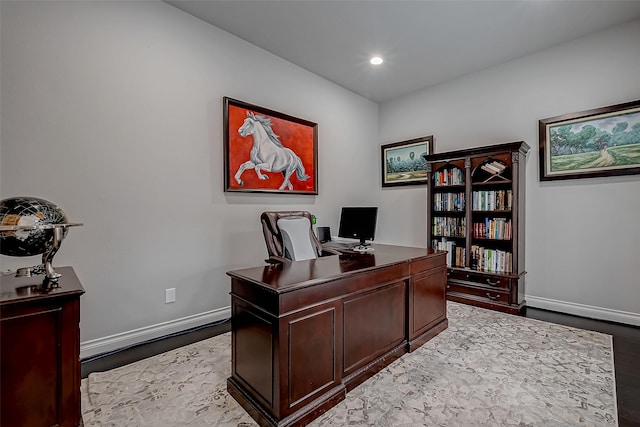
[(405, 163), (593, 143), (267, 151)]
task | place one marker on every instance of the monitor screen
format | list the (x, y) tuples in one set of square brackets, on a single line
[(358, 223)]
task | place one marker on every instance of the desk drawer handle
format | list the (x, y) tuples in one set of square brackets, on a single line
[(492, 297), (496, 283)]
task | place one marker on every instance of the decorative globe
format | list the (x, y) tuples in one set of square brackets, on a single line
[(29, 211)]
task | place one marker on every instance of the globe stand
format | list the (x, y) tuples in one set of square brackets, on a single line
[(47, 257), (58, 233)]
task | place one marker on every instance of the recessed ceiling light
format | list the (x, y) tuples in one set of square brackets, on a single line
[(376, 60)]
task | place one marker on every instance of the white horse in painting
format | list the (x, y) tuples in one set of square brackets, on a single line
[(268, 154)]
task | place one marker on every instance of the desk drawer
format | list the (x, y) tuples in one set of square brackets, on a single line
[(482, 292), (478, 279)]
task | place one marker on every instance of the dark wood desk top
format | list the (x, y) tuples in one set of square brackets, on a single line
[(286, 277), (23, 289)]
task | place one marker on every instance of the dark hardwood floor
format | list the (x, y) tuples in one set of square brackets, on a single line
[(626, 350), (114, 359)]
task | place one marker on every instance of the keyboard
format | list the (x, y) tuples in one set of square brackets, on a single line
[(337, 245)]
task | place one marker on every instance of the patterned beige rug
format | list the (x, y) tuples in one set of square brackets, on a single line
[(486, 369)]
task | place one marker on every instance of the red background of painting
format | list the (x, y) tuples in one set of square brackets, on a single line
[(296, 136)]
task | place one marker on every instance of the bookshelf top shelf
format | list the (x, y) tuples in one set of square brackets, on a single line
[(491, 183), (449, 187)]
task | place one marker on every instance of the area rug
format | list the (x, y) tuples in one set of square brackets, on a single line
[(486, 369)]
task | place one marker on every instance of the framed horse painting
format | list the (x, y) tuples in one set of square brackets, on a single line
[(268, 151)]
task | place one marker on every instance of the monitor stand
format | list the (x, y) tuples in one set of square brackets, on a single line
[(363, 246)]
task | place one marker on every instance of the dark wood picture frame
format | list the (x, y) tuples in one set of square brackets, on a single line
[(266, 151), (404, 163), (593, 143)]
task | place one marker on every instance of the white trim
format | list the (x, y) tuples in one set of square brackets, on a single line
[(135, 336), (589, 311)]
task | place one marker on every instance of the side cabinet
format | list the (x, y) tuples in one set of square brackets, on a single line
[(40, 352)]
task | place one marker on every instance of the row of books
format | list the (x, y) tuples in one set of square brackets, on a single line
[(493, 260), (448, 201), (492, 200), (496, 228), (455, 254), (450, 176), (446, 226)]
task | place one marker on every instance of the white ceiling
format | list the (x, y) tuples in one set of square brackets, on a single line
[(424, 43)]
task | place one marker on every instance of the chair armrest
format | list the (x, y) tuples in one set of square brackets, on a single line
[(274, 259), (329, 251)]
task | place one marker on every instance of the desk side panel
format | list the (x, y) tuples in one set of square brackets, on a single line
[(253, 346), (428, 297), (427, 302)]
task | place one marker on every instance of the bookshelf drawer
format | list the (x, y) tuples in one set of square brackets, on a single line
[(484, 280), (490, 294)]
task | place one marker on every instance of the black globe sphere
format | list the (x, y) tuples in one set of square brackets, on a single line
[(28, 211)]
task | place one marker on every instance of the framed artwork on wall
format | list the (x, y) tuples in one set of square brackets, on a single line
[(404, 162), (600, 142), (267, 151)]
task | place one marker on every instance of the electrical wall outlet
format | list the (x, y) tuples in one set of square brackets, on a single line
[(169, 295)]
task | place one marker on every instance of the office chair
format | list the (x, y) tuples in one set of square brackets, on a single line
[(289, 237)]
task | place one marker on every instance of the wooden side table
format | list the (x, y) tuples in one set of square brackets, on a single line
[(40, 351)]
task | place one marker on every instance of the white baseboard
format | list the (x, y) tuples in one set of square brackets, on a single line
[(584, 310), (136, 336)]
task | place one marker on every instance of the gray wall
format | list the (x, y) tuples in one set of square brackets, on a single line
[(583, 236), (113, 110)]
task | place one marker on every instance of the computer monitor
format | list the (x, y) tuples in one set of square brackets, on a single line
[(358, 223)]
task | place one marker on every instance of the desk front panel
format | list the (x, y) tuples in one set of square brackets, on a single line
[(374, 323)]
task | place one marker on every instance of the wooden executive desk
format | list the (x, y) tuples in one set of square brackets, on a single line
[(305, 333)]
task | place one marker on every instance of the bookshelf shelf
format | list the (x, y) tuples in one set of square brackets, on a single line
[(494, 212), (490, 183), (476, 213)]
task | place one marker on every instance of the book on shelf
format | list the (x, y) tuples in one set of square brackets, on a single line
[(493, 168), (448, 226), (444, 202), (493, 228), (490, 200), (448, 176), (455, 253), (490, 260)]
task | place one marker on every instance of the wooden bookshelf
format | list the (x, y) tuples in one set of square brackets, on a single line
[(476, 212)]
